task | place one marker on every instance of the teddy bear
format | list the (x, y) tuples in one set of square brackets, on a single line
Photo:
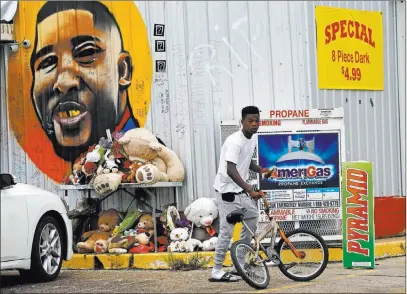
[(140, 144), (178, 237), (193, 245), (101, 246), (106, 223), (106, 184), (175, 169), (209, 245), (203, 214), (181, 241), (142, 244), (145, 224), (160, 162), (150, 174)]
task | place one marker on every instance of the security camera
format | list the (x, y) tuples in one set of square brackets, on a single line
[(26, 43), (13, 48)]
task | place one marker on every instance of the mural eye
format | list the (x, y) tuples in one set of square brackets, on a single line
[(87, 54), (48, 62)]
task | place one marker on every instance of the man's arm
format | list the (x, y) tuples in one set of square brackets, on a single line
[(235, 176), (256, 168)]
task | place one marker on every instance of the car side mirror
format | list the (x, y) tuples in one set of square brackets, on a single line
[(6, 180)]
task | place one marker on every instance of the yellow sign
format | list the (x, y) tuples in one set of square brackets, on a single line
[(349, 49)]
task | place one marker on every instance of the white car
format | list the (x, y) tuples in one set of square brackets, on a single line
[(36, 233)]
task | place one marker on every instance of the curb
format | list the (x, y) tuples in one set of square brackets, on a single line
[(162, 260)]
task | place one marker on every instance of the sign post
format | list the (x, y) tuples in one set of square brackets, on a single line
[(358, 215), (349, 49)]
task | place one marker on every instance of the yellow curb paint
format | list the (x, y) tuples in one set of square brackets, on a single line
[(163, 260), (335, 254), (160, 260), (119, 261), (150, 261), (79, 261), (389, 249)]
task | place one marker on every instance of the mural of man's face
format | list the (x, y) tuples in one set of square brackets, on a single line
[(80, 77)]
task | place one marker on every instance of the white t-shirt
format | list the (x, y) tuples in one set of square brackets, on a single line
[(237, 149)]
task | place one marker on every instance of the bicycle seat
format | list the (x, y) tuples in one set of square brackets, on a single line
[(236, 216)]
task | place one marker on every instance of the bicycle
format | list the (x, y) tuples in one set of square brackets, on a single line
[(254, 264)]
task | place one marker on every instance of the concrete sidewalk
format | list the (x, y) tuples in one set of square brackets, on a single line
[(390, 247), (389, 276)]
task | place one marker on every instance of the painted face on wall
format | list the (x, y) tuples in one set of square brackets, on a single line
[(80, 77)]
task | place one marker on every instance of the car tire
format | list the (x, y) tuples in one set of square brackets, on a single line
[(46, 257)]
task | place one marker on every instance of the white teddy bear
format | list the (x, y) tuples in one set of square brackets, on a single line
[(180, 242), (193, 244), (178, 236), (202, 213), (209, 245)]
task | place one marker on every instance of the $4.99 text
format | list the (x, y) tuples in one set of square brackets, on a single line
[(353, 74)]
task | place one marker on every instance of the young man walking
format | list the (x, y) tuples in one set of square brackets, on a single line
[(230, 181)]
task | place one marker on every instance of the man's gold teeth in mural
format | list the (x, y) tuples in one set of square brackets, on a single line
[(70, 113)]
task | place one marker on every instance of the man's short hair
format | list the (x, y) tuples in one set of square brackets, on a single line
[(249, 110), (102, 17)]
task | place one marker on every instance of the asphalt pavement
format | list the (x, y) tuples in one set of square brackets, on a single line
[(389, 276)]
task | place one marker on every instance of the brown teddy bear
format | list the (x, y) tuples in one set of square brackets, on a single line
[(160, 162), (107, 221), (106, 184), (145, 225)]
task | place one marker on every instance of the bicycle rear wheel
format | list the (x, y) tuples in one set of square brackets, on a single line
[(314, 262), (254, 272)]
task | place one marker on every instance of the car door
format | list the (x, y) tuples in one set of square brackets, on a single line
[(14, 225)]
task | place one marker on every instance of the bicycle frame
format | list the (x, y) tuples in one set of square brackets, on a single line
[(273, 227)]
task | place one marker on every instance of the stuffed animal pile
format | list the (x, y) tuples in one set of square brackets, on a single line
[(134, 233), (133, 157)]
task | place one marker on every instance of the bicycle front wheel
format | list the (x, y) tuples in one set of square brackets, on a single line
[(252, 270), (314, 262)]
